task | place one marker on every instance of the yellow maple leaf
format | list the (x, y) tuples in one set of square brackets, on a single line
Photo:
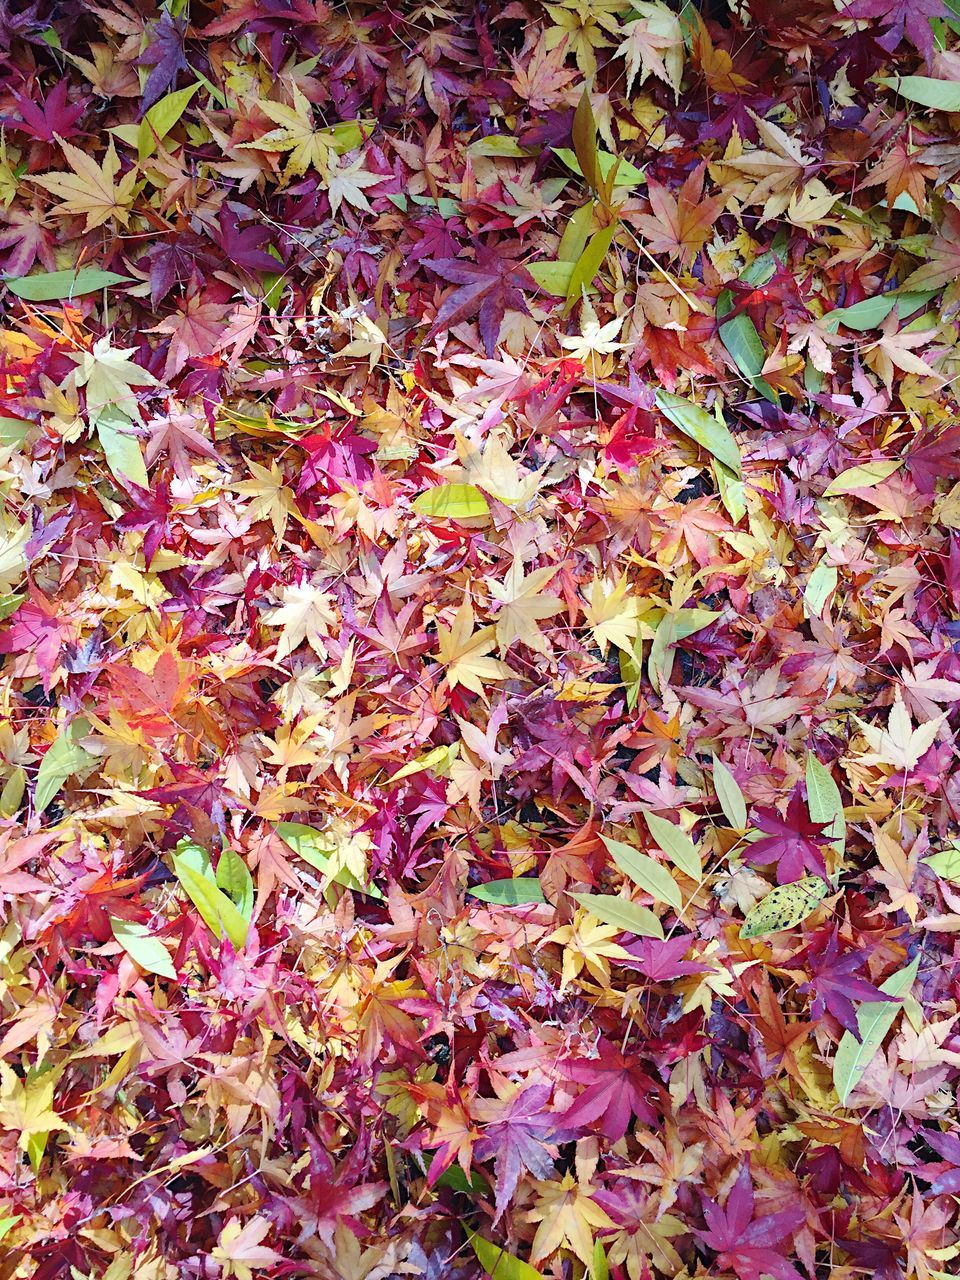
[(304, 615), (568, 1218), (272, 499), (91, 189), (612, 615), (462, 651), (587, 944), (26, 1106), (296, 133), (523, 606), (900, 745)]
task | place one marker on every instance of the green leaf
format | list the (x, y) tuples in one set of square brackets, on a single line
[(864, 476), (730, 796), (50, 286), (216, 910), (575, 235), (499, 1264), (824, 803), (785, 906), (510, 892), (820, 587), (120, 448), (702, 427), (234, 878), (143, 948), (309, 844), (645, 872), (599, 1269), (498, 144), (627, 174), (13, 432), (7, 1223), (874, 1020), (588, 264), (11, 797), (553, 277), (10, 602), (676, 844), (868, 314), (161, 118), (621, 912), (452, 502), (941, 95), (946, 864), (60, 762), (740, 337)]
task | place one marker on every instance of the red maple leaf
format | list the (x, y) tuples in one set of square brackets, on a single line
[(744, 1243), (488, 287), (793, 843)]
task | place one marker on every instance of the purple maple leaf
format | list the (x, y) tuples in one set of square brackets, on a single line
[(743, 1243), (165, 55), (834, 983), (489, 287), (662, 960), (46, 120), (910, 18), (516, 1136), (793, 842)]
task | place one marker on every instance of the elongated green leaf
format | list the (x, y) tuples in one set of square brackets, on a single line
[(820, 587), (499, 1264), (216, 910), (120, 448), (310, 844), (511, 892), (452, 502), (864, 476), (874, 1020), (785, 906), (702, 427), (942, 95), (585, 141), (588, 264), (60, 762), (599, 1268), (553, 277), (740, 337), (54, 286), (645, 872), (576, 234), (867, 314), (234, 878), (13, 432), (621, 912), (946, 864), (824, 803), (161, 118), (143, 948), (676, 844), (730, 796), (624, 173)]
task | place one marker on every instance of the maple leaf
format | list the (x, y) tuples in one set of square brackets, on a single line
[(26, 1106), (305, 615), (834, 983), (934, 456), (900, 745), (568, 1216), (617, 1088), (679, 225), (91, 190), (489, 287), (347, 181), (308, 146), (50, 118), (462, 651), (587, 943), (517, 1130), (239, 1251), (910, 18), (523, 606), (165, 55), (109, 377), (653, 45), (794, 843), (745, 1243)]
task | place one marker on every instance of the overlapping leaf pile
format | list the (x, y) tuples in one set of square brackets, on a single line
[(480, 569)]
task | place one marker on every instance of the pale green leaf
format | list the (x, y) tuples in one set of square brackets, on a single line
[(946, 864), (622, 913), (216, 910), (863, 476), (785, 906), (51, 286), (702, 427), (452, 502), (234, 878), (824, 803), (499, 1264), (120, 448), (645, 872), (874, 1020), (510, 892), (161, 118), (552, 277), (588, 264), (143, 948), (941, 95), (61, 761), (821, 585), (676, 844), (729, 795), (309, 843)]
